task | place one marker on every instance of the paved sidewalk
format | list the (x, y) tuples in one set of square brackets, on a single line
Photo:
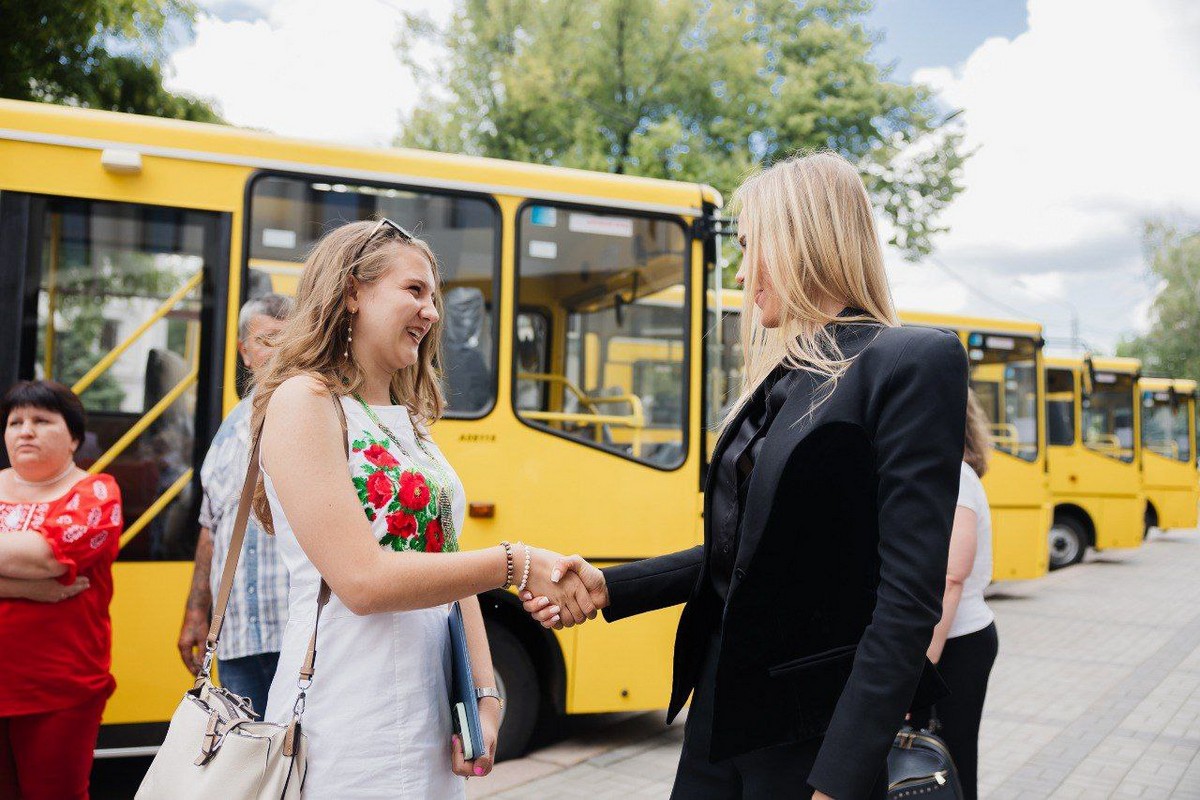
[(1096, 695)]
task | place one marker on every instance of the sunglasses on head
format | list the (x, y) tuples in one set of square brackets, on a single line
[(381, 225)]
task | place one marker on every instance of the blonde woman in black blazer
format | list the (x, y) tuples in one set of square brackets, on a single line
[(828, 509)]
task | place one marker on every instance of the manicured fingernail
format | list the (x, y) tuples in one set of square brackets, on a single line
[(554, 610), (479, 770), (543, 602), (556, 575), (554, 619)]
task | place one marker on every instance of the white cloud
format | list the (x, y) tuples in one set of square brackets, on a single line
[(1081, 125), (307, 68)]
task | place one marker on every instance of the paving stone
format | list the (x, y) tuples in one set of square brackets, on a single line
[(1096, 694)]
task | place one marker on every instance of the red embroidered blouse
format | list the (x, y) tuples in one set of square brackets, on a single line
[(58, 655)]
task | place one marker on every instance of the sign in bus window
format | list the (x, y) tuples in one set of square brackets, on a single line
[(122, 319), (1004, 377), (611, 348), (289, 214)]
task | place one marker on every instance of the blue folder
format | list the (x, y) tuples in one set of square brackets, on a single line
[(464, 705)]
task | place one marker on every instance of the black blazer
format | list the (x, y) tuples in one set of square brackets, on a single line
[(841, 564)]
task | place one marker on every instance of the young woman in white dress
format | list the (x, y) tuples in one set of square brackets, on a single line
[(380, 529)]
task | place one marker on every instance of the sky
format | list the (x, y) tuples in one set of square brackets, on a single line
[(1079, 113)]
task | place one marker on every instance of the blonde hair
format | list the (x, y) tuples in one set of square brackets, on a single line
[(808, 224), (314, 339), (978, 443)]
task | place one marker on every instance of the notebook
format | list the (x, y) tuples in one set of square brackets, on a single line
[(464, 705)]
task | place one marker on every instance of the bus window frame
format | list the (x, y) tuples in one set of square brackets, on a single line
[(497, 258), (24, 217), (689, 239)]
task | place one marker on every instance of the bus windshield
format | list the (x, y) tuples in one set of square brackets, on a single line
[(1004, 377), (1108, 416), (1165, 425)]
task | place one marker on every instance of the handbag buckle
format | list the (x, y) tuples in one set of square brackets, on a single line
[(298, 707), (206, 666)]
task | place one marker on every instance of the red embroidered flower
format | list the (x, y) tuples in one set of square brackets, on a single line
[(379, 489), (379, 456), (401, 524), (434, 540), (414, 491)]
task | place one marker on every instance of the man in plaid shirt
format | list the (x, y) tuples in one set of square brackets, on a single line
[(250, 638)]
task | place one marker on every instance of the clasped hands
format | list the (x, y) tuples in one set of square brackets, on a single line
[(563, 590)]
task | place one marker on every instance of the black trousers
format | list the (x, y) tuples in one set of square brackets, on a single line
[(965, 665), (774, 772)]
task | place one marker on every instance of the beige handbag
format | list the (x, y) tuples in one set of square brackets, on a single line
[(214, 745)]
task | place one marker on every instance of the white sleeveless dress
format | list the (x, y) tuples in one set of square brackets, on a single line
[(377, 714)]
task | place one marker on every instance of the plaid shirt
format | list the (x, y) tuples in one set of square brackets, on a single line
[(258, 602)]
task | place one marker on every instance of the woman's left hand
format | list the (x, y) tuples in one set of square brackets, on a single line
[(489, 720)]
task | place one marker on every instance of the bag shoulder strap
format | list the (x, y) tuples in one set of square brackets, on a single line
[(235, 552)]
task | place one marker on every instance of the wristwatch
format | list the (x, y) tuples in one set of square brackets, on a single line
[(489, 691)]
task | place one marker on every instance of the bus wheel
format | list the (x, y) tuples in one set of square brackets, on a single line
[(1151, 521), (1068, 542), (516, 679)]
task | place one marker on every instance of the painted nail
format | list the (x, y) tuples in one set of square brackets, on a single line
[(479, 770), (543, 602), (554, 619), (556, 575), (554, 610)]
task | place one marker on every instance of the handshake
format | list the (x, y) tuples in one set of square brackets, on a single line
[(563, 591)]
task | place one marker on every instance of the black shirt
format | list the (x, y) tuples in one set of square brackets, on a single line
[(733, 476)]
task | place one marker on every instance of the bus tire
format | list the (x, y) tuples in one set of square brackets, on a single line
[(1151, 520), (1068, 542), (517, 681)]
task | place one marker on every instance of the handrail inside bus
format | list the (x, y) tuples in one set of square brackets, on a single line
[(110, 358), (146, 421), (636, 419), (158, 505), (1159, 445)]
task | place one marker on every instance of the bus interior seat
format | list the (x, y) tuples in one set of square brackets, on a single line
[(468, 378)]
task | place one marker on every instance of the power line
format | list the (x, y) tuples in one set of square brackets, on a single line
[(970, 287)]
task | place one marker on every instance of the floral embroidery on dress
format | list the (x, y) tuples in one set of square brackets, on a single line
[(406, 498)]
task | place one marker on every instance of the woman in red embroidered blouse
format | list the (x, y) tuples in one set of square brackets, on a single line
[(59, 534)]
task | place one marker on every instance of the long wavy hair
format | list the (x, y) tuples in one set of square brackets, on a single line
[(808, 224), (978, 447), (314, 340)]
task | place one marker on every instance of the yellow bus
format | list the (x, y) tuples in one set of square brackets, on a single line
[(1006, 374), (127, 245), (1169, 475), (1095, 456)]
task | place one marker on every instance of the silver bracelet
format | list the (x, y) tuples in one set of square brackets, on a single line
[(525, 575)]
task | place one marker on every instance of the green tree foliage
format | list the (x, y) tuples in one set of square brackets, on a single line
[(696, 91), (94, 53), (1171, 347)]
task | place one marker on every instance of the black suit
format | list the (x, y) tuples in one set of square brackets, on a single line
[(840, 565)]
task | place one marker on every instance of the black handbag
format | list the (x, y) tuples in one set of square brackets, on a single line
[(919, 766)]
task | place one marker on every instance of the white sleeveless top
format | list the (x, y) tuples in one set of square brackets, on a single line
[(377, 714), (973, 613)]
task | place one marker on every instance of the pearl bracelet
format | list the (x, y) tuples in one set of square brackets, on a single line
[(525, 575)]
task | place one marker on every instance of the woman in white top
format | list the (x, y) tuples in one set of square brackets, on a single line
[(381, 529), (964, 643)]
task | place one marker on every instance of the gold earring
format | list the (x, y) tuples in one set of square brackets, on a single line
[(349, 335)]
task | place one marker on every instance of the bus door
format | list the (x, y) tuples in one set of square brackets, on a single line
[(602, 463), (1108, 463), (1005, 374), (1169, 457), (125, 303)]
